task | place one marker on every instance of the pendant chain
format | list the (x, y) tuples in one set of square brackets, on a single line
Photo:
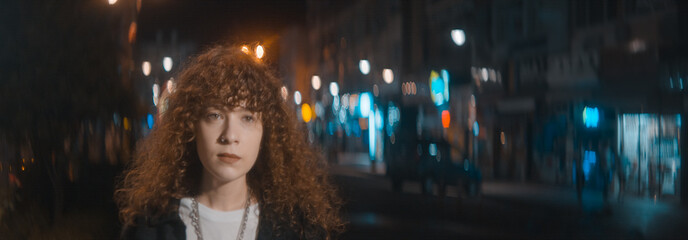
[(196, 218)]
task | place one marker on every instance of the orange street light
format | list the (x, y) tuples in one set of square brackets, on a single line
[(260, 51)]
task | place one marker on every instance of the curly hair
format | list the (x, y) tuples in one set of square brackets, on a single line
[(288, 177)]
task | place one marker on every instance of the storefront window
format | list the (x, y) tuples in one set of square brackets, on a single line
[(649, 147)]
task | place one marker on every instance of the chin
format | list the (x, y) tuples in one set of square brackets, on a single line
[(229, 175)]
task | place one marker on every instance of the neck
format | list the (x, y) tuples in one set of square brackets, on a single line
[(223, 196)]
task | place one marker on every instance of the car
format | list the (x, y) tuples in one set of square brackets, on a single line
[(417, 153)]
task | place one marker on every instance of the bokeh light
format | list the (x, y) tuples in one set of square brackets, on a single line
[(476, 129), (591, 117), (132, 32), (446, 118), (364, 66), (319, 110), (284, 92), (167, 64), (297, 97), (365, 103), (371, 136), (335, 104), (458, 36), (146, 68), (156, 92), (388, 75), (170, 85), (315, 82), (334, 88), (149, 120), (306, 112), (260, 51)]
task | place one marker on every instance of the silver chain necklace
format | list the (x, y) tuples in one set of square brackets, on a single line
[(196, 218)]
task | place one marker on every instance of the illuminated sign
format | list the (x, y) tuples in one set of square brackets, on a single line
[(591, 117), (439, 87)]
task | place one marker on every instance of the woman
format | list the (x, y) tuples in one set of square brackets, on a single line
[(227, 159)]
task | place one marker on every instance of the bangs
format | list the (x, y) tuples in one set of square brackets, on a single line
[(228, 78), (233, 95)]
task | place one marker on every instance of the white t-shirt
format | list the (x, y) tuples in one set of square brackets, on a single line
[(218, 224)]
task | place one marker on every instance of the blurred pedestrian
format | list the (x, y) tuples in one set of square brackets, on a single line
[(579, 177), (227, 159), (619, 166), (604, 164)]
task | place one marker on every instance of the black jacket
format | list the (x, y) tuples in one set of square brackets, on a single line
[(171, 227)]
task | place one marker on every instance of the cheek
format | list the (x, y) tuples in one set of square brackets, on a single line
[(202, 144), (256, 140), (201, 149)]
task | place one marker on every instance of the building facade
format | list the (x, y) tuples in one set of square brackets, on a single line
[(547, 84)]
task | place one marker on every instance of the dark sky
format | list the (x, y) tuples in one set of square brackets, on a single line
[(207, 21)]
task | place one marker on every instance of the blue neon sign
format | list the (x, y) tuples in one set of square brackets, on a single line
[(591, 117)]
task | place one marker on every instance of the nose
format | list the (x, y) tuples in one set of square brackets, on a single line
[(228, 134)]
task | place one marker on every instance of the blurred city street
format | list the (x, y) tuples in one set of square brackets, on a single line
[(439, 119), (506, 210)]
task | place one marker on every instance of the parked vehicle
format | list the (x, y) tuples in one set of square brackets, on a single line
[(420, 153)]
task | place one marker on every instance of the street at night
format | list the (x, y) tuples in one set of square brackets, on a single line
[(504, 211), (344, 119)]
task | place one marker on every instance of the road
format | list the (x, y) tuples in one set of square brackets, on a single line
[(504, 211)]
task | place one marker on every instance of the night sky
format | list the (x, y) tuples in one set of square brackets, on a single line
[(209, 21)]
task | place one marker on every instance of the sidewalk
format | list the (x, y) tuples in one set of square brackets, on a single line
[(359, 162), (651, 218), (646, 217)]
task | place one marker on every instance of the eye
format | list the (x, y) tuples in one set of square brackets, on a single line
[(213, 116), (248, 118)]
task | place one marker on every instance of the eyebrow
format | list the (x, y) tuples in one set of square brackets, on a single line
[(235, 109), (241, 109)]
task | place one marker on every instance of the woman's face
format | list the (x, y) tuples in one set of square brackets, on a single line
[(228, 142)]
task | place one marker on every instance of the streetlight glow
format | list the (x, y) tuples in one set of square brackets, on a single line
[(111, 2), (388, 75), (458, 36), (167, 64), (284, 92), (156, 92), (364, 66), (170, 85), (260, 51), (334, 88), (365, 103), (297, 97), (146, 67), (244, 49), (315, 81)]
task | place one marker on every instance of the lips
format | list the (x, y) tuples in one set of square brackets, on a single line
[(228, 157)]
